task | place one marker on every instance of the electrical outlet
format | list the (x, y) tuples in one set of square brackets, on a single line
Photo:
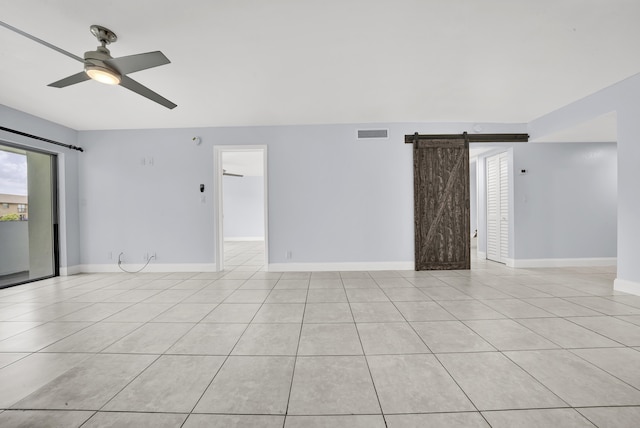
[(288, 255)]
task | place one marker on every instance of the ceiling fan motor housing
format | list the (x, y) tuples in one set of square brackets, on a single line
[(95, 64), (98, 57)]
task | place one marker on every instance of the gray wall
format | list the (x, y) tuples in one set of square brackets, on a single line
[(624, 99), (67, 172), (628, 185), (243, 207), (332, 198), (566, 205), (139, 193)]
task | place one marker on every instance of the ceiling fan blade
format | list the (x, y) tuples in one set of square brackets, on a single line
[(138, 88), (71, 80), (133, 63), (42, 42)]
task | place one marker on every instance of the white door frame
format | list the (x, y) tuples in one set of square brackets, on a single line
[(218, 200)]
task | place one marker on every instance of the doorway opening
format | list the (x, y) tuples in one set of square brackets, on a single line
[(494, 202), (241, 207)]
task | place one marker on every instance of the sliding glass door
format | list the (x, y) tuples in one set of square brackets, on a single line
[(28, 215)]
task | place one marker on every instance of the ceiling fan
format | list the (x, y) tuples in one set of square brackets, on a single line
[(100, 66)]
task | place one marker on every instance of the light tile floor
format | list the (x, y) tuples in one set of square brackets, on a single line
[(492, 346)]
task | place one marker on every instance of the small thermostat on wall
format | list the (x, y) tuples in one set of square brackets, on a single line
[(524, 171)]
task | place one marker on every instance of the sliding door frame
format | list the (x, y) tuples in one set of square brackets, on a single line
[(55, 212)]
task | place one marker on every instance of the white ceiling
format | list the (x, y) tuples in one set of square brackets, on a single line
[(256, 62)]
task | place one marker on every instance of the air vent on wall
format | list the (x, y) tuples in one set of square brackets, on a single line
[(373, 133)]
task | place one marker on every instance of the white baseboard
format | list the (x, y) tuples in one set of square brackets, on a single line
[(70, 270), (245, 239), (339, 267), (158, 267), (481, 255), (625, 286), (544, 263)]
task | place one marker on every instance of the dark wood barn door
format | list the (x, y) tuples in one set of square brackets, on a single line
[(441, 198)]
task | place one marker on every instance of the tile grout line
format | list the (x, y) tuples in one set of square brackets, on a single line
[(227, 356), (601, 368), (295, 361), (440, 362), (451, 376), (159, 356), (364, 356)]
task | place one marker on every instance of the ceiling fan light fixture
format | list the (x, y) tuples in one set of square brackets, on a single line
[(102, 74)]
